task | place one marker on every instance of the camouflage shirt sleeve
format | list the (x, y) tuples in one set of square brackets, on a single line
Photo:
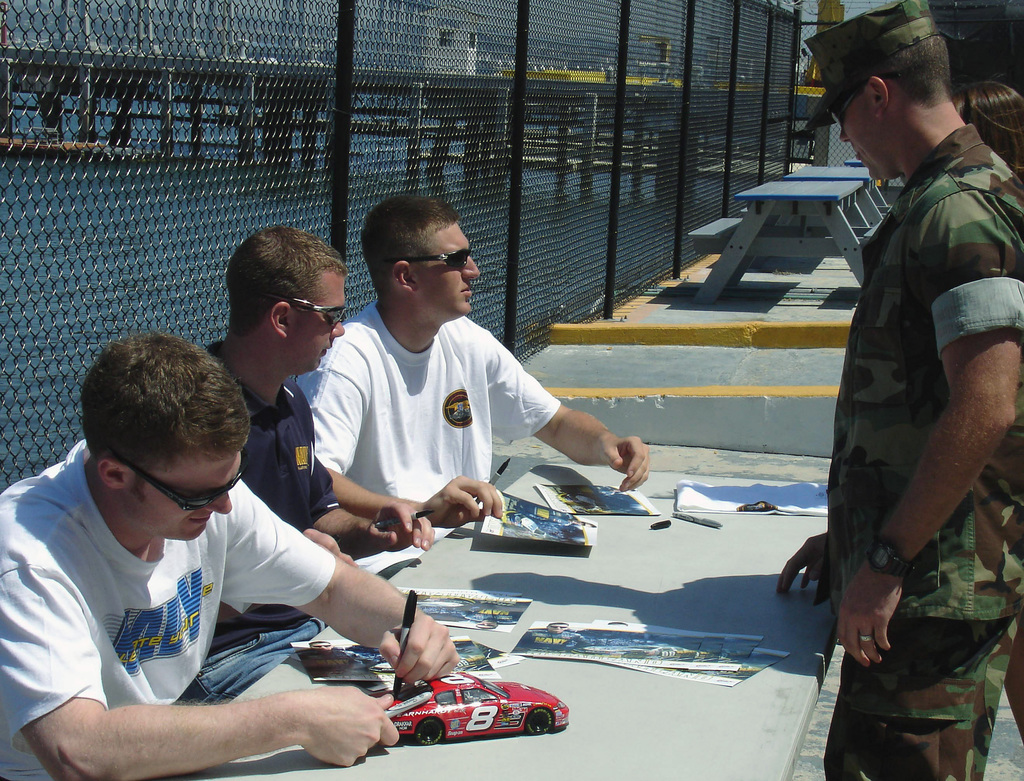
[(961, 238)]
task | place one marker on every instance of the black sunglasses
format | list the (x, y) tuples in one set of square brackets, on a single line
[(186, 503), (845, 98), (457, 259), (332, 314)]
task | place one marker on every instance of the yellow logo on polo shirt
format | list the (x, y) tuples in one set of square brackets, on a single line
[(302, 457)]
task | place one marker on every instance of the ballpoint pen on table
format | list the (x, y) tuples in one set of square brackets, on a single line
[(697, 520), (403, 636)]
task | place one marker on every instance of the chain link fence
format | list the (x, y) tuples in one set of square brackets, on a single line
[(142, 141)]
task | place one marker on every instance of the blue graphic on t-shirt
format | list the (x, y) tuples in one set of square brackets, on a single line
[(165, 630)]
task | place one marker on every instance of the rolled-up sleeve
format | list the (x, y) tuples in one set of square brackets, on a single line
[(978, 306)]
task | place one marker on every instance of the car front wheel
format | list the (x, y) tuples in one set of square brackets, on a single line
[(429, 732), (539, 721)]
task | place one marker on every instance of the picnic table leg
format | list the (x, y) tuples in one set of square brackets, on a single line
[(868, 208), (733, 261), (876, 195), (846, 240)]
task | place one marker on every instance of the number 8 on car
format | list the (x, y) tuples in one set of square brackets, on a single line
[(462, 706)]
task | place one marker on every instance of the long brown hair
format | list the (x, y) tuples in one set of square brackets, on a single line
[(997, 111)]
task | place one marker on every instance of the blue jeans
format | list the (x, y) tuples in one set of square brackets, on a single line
[(230, 672)]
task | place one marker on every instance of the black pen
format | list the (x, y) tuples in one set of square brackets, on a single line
[(403, 636), (699, 521), (389, 522), (501, 469)]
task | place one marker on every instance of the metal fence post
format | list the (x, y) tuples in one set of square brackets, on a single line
[(515, 186), (343, 77), (794, 63), (616, 172), (766, 95), (730, 117), (684, 141)]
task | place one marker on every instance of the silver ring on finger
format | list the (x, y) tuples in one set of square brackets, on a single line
[(866, 638)]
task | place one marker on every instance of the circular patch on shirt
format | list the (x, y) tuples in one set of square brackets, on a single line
[(456, 409)]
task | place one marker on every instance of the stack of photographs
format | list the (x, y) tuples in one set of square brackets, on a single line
[(466, 609), (721, 659), (524, 520)]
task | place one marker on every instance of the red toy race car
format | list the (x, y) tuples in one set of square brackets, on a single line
[(462, 706)]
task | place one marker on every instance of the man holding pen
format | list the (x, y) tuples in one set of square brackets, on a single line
[(113, 565)]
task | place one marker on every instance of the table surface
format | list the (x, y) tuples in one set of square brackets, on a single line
[(814, 172), (620, 721), (798, 190)]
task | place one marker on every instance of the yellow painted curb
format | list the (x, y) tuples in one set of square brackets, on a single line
[(741, 334), (794, 391)]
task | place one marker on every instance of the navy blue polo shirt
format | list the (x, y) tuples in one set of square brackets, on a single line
[(283, 470), (284, 473)]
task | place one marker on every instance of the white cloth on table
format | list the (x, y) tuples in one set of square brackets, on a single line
[(790, 498)]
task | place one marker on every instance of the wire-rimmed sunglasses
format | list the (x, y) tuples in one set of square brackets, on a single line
[(456, 259), (186, 503), (332, 314)]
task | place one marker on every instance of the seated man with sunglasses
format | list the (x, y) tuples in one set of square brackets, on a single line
[(286, 290), (409, 399), (114, 562)]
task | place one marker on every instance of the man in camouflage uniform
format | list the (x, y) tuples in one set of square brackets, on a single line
[(922, 555)]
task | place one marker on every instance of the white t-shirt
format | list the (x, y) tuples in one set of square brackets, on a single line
[(80, 616), (404, 424)]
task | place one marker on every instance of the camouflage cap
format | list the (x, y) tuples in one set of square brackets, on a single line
[(854, 49)]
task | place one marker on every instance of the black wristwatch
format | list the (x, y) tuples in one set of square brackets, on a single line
[(882, 557)]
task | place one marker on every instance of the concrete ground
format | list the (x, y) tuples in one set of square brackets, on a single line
[(775, 340)]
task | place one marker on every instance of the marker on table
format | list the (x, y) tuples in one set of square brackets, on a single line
[(699, 521), (389, 522), (403, 636)]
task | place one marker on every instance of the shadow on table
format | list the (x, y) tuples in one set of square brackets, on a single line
[(741, 604)]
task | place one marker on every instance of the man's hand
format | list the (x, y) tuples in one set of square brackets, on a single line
[(810, 558), (462, 501), (409, 530), (586, 440), (83, 739), (630, 456), (344, 724), (865, 612), (429, 651)]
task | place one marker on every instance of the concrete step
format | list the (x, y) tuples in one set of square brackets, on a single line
[(758, 370), (778, 400)]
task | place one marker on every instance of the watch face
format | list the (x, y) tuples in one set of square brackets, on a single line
[(878, 557)]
